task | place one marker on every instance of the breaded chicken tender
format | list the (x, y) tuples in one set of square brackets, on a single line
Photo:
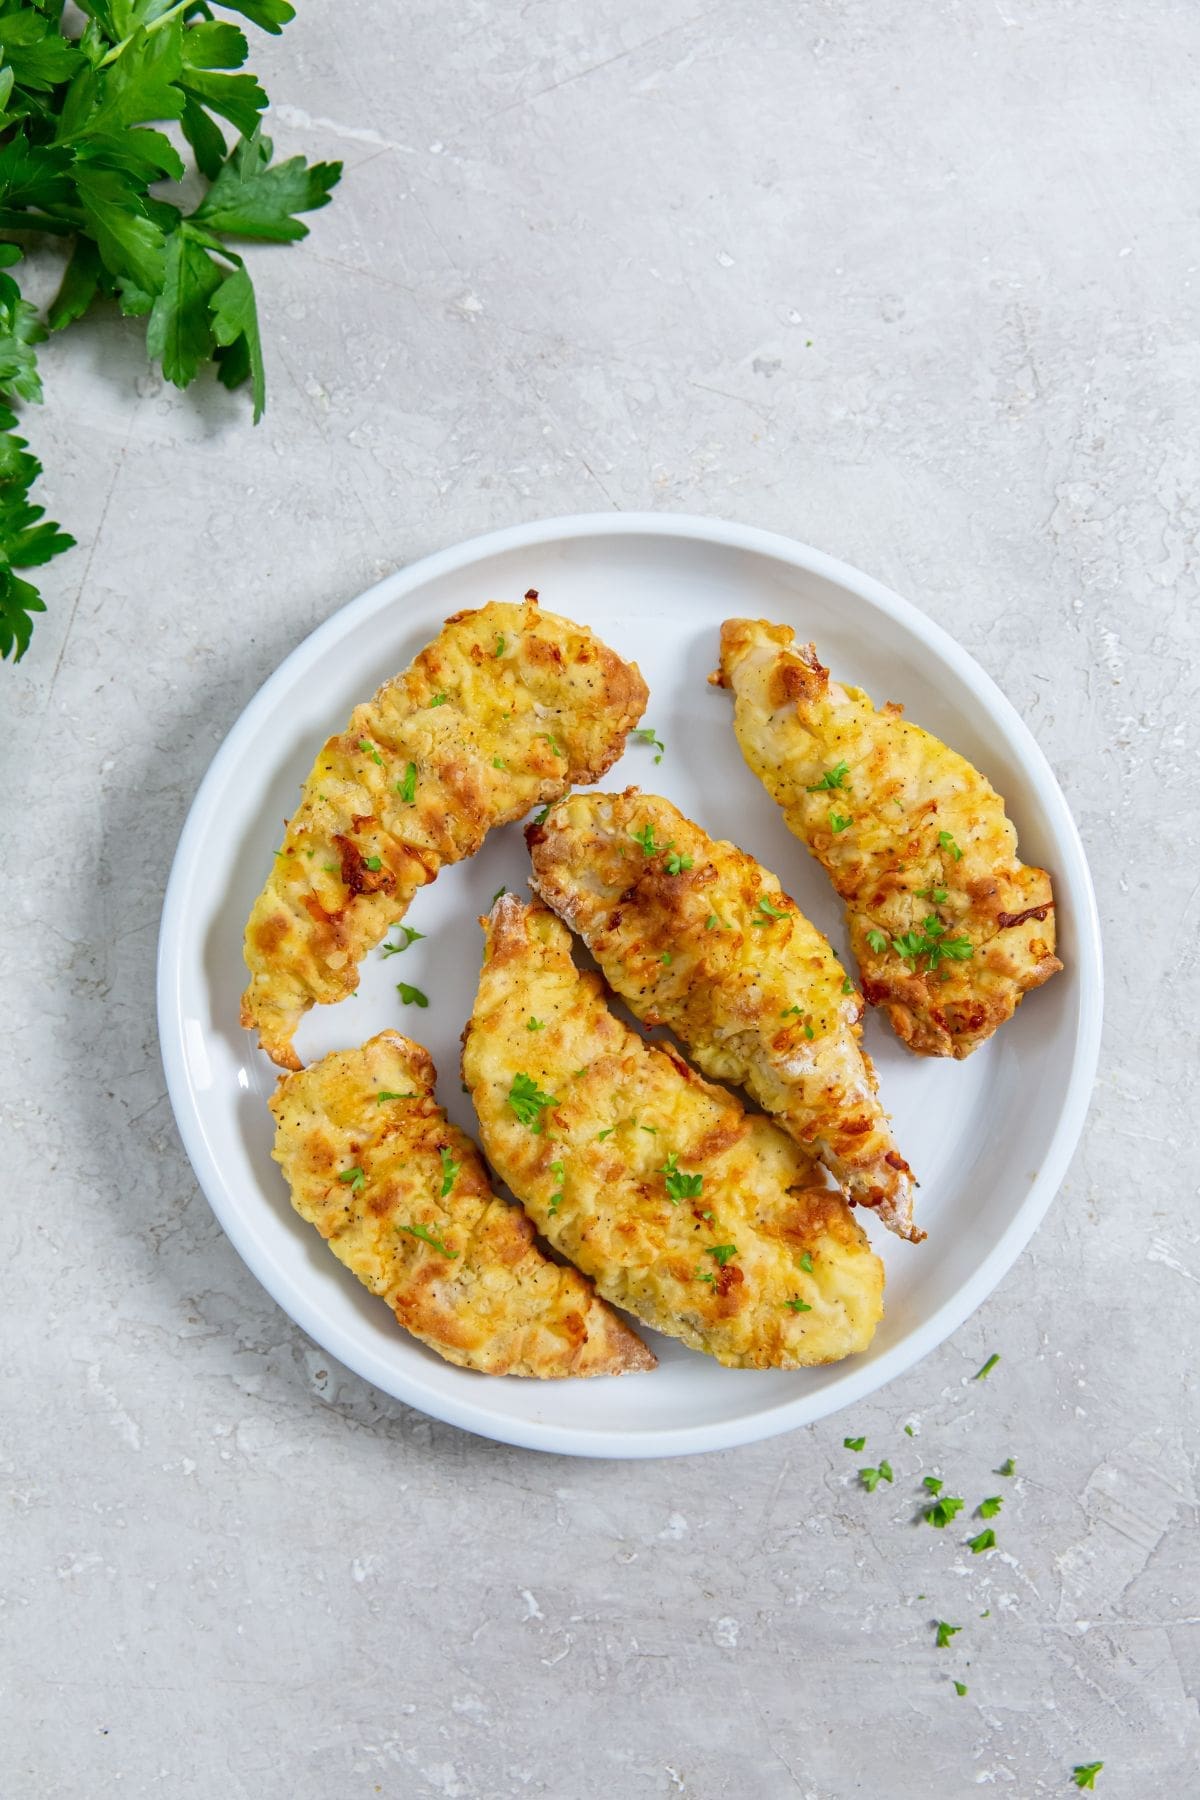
[(507, 708), (950, 928), (695, 934), (404, 1201), (709, 1224)]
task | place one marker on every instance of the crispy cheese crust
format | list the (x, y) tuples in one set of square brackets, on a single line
[(507, 708), (708, 1223), (403, 1200), (949, 927), (695, 934)]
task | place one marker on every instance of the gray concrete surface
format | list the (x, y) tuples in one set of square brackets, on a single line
[(915, 283)]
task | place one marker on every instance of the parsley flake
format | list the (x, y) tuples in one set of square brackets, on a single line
[(679, 1186), (847, 985), (991, 1506), (411, 996), (427, 1237), (960, 1688), (988, 1366), (548, 737), (832, 778), (353, 1178), (985, 1541), (439, 700), (646, 735), (768, 911), (806, 1262), (410, 937), (449, 1171), (678, 865), (933, 1483), (374, 863), (1084, 1774), (1007, 1467), (948, 843), (878, 941), (532, 1024), (839, 822), (854, 1443), (498, 762), (372, 752), (499, 650), (945, 1633), (645, 837), (386, 1094), (497, 894), (529, 1102), (407, 789), (540, 818), (712, 923), (871, 1478), (721, 1253), (798, 1306), (936, 894), (943, 1512)]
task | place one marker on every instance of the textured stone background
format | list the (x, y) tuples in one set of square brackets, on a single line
[(914, 283)]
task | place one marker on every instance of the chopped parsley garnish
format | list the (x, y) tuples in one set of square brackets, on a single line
[(705, 1275), (948, 843), (438, 700), (386, 1094), (1084, 1774), (601, 1135), (557, 1169), (806, 1262), (985, 1541), (790, 1012), (878, 941), (1007, 1467), (809, 1033), (652, 1129), (407, 789), (932, 943), (908, 1431), (991, 1506), (645, 837), (721, 1253), (847, 985), (960, 1688), (768, 911), (549, 738), (665, 957), (832, 778), (427, 1237), (499, 650), (528, 1102), (497, 894), (449, 1171), (936, 894), (839, 822), (374, 863), (678, 865), (854, 1443), (411, 996), (353, 1178), (410, 937), (646, 735), (532, 1024), (988, 1366), (372, 752), (540, 818), (940, 1514), (945, 1633), (871, 1478), (498, 762), (798, 1306), (933, 1483), (680, 1186), (331, 868), (712, 923)]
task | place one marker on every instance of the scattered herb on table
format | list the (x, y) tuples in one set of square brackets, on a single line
[(988, 1366), (1084, 1774), (411, 996), (410, 937), (945, 1633)]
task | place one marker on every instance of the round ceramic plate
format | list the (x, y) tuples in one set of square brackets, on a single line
[(989, 1138)]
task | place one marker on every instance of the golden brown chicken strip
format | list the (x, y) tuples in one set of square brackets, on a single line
[(508, 707), (950, 928), (403, 1199), (695, 934), (708, 1223)]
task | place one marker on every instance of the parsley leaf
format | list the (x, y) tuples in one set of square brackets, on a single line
[(721, 1253), (945, 1633), (679, 1185), (871, 1478), (407, 789), (410, 937), (960, 1688), (411, 996), (985, 1541), (677, 865), (988, 1366), (769, 912), (529, 1102), (991, 1506), (427, 1237), (532, 1024), (854, 1443), (798, 1306), (1007, 1467), (933, 1483), (449, 1171), (386, 1094), (439, 700), (943, 1512), (839, 822), (1084, 1774), (806, 1262), (832, 778), (878, 941), (645, 837), (646, 735), (353, 1178), (948, 843)]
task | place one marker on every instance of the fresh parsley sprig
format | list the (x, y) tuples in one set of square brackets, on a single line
[(83, 158)]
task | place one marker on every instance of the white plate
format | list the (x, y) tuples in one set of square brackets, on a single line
[(989, 1139)]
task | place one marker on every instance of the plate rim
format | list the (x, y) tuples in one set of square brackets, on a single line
[(858, 1382)]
